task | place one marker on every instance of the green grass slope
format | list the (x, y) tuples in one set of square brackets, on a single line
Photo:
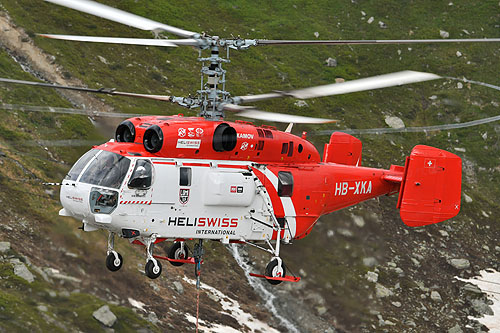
[(332, 255)]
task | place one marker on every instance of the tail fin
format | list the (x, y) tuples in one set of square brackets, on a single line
[(431, 186)]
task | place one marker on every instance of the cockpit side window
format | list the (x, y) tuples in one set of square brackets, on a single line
[(80, 164), (142, 177), (107, 170)]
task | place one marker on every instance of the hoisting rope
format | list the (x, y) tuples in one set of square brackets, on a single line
[(197, 254)]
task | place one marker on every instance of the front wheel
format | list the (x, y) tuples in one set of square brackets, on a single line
[(273, 270), (114, 263), (153, 271)]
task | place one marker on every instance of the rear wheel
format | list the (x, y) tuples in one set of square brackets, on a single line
[(273, 270), (176, 252)]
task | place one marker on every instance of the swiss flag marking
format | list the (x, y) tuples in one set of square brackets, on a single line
[(430, 163)]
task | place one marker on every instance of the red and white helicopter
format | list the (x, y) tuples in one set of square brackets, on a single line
[(175, 178)]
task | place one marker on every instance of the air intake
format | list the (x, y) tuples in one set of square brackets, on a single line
[(224, 138), (125, 132), (153, 139)]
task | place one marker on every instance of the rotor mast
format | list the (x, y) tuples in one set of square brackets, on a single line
[(213, 84)]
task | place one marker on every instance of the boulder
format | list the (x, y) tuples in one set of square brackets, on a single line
[(359, 221), (178, 287), (436, 297), (153, 318), (371, 276), (22, 271), (382, 291), (444, 34), (481, 307), (331, 62), (105, 316), (370, 262), (394, 122), (455, 329), (396, 304), (460, 263), (301, 104), (4, 247)]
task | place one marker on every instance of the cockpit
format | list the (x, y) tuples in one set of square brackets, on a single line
[(98, 175)]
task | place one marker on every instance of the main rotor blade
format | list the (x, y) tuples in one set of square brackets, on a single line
[(52, 109), (129, 41), (374, 41), (250, 112), (120, 16), (107, 91), (374, 82)]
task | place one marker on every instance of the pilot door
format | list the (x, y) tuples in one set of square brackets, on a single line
[(137, 192)]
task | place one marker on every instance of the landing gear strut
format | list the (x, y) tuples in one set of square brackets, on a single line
[(153, 267), (114, 260)]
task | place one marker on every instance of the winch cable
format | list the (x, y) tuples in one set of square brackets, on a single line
[(198, 252)]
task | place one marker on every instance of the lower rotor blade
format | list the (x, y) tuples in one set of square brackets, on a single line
[(51, 109), (107, 91), (381, 41), (375, 82), (128, 41), (250, 112)]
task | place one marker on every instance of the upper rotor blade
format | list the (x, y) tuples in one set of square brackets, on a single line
[(368, 42), (120, 16), (130, 41), (108, 91), (250, 112)]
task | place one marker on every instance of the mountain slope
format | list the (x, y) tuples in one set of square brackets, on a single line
[(334, 259)]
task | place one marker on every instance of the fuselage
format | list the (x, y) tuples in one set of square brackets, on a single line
[(212, 180)]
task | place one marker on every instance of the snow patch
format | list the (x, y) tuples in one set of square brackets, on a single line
[(137, 304), (264, 293), (489, 283), (231, 308)]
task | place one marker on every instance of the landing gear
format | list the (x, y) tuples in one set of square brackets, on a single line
[(178, 251), (153, 267), (275, 268), (114, 260)]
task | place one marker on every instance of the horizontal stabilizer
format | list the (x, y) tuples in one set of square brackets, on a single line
[(431, 187)]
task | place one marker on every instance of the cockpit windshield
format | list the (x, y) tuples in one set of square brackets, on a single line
[(82, 162), (107, 169)]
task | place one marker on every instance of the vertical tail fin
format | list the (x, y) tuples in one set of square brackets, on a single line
[(431, 187)]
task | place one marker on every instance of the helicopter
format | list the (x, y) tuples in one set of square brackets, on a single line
[(175, 178)]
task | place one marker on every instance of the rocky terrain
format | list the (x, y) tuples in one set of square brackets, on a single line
[(362, 270)]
